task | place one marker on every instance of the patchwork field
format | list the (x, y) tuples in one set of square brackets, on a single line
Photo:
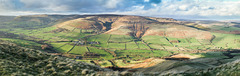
[(119, 40)]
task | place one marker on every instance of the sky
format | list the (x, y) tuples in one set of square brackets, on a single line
[(178, 9)]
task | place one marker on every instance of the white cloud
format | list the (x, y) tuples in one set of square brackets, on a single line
[(6, 5), (146, 0), (71, 5), (204, 8), (153, 4), (171, 8), (112, 3)]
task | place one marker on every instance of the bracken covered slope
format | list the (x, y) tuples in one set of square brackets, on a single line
[(15, 60), (229, 69)]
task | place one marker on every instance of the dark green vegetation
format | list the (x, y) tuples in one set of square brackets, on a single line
[(117, 40), (15, 61), (229, 69), (6, 18), (212, 60)]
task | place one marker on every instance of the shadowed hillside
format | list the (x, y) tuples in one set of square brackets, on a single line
[(229, 69), (6, 18), (15, 60)]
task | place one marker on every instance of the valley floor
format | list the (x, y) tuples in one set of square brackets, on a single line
[(127, 43)]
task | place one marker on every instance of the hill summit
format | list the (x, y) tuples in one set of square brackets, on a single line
[(137, 26)]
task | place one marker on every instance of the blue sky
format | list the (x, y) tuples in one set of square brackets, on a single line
[(178, 9)]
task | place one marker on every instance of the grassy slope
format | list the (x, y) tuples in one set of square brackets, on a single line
[(225, 28), (229, 69), (22, 43), (15, 60), (121, 45), (226, 41), (112, 41)]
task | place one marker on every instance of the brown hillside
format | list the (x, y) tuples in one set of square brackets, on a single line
[(177, 31), (81, 23), (136, 26)]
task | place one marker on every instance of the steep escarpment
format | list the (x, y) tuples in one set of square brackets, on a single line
[(130, 25), (99, 23), (136, 26), (82, 24)]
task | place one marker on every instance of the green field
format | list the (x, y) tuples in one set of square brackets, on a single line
[(138, 54), (120, 38), (62, 47), (79, 50), (168, 43), (229, 28), (23, 43), (156, 40), (103, 53), (123, 44), (34, 33), (211, 55), (105, 64), (226, 41)]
